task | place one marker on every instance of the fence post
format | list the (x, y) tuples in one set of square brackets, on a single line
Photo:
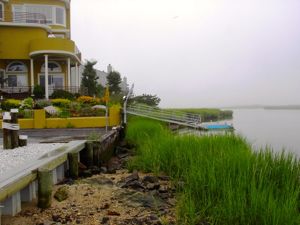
[(6, 132), (14, 132)]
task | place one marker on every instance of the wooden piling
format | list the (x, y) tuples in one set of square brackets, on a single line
[(44, 188), (23, 140), (73, 164), (89, 154), (14, 132), (6, 132)]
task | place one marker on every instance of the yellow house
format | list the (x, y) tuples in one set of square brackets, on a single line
[(36, 46)]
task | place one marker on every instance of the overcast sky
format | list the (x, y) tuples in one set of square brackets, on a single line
[(196, 53)]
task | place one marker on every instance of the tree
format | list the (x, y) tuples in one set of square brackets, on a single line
[(100, 90), (89, 78), (151, 100), (114, 81)]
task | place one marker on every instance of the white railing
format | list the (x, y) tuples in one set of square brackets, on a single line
[(171, 116)]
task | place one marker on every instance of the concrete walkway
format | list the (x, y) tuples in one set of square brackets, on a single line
[(58, 135)]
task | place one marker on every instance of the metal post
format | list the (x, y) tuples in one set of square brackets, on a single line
[(125, 103)]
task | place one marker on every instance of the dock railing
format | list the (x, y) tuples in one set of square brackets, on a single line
[(170, 116)]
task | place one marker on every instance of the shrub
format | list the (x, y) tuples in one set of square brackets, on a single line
[(40, 104), (10, 104), (64, 113), (27, 103), (62, 94), (89, 100), (60, 102), (25, 113), (75, 108), (38, 91)]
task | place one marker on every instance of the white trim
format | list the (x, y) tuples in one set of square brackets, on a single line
[(69, 71), (31, 75), (37, 25), (3, 16), (46, 78), (55, 52), (60, 31), (54, 62)]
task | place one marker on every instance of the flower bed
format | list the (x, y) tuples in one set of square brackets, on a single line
[(83, 106)]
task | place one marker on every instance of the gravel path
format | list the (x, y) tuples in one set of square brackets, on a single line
[(11, 159)]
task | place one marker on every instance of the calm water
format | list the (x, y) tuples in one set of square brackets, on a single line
[(276, 128)]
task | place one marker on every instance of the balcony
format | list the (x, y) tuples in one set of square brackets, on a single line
[(54, 46), (25, 17), (22, 92)]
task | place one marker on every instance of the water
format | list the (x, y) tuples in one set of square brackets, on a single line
[(276, 128)]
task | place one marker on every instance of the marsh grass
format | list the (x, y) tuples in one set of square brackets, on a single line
[(225, 181)]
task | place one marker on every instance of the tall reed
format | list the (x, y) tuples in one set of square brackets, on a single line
[(225, 181)]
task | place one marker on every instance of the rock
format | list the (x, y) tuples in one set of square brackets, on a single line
[(153, 186), (56, 218), (123, 155), (95, 170), (163, 189), (138, 199), (121, 150), (113, 213), (104, 220), (113, 165), (153, 217), (133, 176), (135, 184), (99, 181), (51, 110), (62, 193), (103, 169), (105, 206), (150, 179), (99, 107), (163, 177), (48, 223), (86, 173)]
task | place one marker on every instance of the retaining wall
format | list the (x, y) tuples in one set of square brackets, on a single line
[(25, 183), (39, 120)]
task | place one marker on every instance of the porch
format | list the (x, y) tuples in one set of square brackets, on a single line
[(21, 92)]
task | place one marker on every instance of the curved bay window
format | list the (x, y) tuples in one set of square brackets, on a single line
[(17, 74), (55, 77)]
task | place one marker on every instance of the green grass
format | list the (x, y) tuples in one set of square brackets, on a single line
[(208, 114), (225, 181)]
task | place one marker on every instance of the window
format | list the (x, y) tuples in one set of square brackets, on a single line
[(1, 11), (16, 74), (2, 78), (60, 15), (16, 67), (52, 67), (43, 14)]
